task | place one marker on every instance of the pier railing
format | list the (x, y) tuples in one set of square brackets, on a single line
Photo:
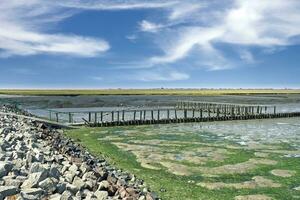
[(183, 111)]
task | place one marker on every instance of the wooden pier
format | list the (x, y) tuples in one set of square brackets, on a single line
[(182, 112)]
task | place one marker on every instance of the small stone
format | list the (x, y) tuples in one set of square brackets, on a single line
[(103, 185), (54, 172), (88, 175), (55, 197), (66, 195), (69, 175), (29, 193), (36, 167), (101, 195), (61, 187), (48, 184), (5, 167), (84, 168), (6, 191), (78, 182), (112, 179), (72, 188), (13, 182), (73, 168)]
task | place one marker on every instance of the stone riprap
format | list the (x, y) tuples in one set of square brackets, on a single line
[(38, 162)]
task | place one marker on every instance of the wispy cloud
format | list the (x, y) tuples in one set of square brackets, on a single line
[(255, 23), (118, 4), (147, 26), (149, 76), (24, 33), (25, 21)]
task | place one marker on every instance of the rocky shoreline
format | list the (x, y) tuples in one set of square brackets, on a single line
[(38, 162)]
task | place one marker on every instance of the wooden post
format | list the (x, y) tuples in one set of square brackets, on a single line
[(56, 117), (96, 120), (50, 114), (201, 113), (274, 109), (141, 115), (90, 116), (168, 114), (134, 114), (144, 114), (101, 116), (70, 117), (152, 115), (185, 113), (218, 112), (193, 113), (175, 113), (158, 113), (112, 116), (123, 115), (118, 116)]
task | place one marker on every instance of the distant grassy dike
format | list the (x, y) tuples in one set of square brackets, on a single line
[(199, 92)]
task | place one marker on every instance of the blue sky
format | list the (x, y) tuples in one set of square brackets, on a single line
[(149, 44)]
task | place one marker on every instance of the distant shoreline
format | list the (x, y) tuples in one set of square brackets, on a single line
[(192, 92)]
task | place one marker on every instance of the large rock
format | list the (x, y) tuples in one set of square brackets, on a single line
[(103, 185), (69, 175), (34, 179), (12, 182), (49, 185), (79, 183), (37, 167), (66, 195), (5, 167), (101, 195), (6, 191), (32, 193), (55, 197), (54, 172)]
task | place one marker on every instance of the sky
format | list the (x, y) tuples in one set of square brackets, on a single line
[(149, 44)]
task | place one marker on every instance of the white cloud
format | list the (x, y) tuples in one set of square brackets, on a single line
[(149, 76), (25, 24), (23, 34), (185, 10), (255, 23), (118, 4), (97, 78), (147, 26)]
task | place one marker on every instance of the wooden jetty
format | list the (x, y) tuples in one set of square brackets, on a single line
[(182, 112)]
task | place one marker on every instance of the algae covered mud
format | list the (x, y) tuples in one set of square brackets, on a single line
[(259, 159)]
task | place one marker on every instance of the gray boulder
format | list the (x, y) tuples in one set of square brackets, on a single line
[(101, 195), (66, 195), (5, 168), (34, 179), (32, 193), (49, 185), (6, 191)]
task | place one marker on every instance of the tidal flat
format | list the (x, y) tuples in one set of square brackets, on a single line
[(256, 159)]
